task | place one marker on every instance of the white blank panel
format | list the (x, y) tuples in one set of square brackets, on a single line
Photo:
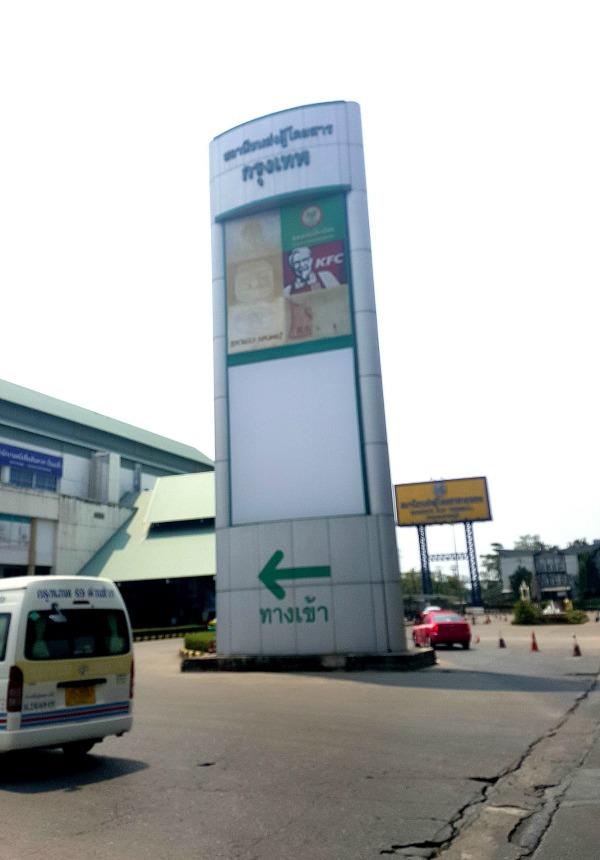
[(294, 438), (45, 540)]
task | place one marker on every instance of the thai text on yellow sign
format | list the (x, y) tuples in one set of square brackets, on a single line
[(436, 502)]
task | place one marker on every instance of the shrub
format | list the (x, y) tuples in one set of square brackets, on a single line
[(526, 613), (576, 616), (202, 640), (592, 605)]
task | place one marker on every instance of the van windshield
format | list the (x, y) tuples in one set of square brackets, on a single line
[(63, 634), (4, 623)]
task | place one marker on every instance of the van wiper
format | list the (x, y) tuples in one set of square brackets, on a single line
[(57, 615)]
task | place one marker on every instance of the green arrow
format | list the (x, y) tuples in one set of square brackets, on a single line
[(270, 574)]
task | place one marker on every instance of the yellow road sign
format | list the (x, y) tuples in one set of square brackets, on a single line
[(435, 502)]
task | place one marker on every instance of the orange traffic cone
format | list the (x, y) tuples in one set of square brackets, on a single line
[(534, 645), (576, 648), (501, 642)]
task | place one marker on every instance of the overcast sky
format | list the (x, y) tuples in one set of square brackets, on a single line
[(482, 142)]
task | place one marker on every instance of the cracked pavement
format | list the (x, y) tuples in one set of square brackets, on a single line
[(482, 756), (517, 813)]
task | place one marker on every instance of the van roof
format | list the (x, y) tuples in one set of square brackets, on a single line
[(14, 583)]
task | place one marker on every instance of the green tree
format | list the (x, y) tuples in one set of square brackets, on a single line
[(532, 543), (449, 586), (411, 582), (520, 575), (491, 592), (491, 576), (491, 563), (588, 584)]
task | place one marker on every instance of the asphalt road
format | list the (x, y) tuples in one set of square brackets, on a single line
[(281, 766)]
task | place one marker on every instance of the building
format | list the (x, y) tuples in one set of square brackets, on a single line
[(163, 557), (554, 572), (72, 481)]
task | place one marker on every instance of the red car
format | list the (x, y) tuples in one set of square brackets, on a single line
[(442, 627)]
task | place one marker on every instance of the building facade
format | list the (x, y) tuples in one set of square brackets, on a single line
[(554, 572), (69, 479), (163, 557)]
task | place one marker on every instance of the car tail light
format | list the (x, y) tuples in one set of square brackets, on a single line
[(131, 679), (14, 695), (435, 628)]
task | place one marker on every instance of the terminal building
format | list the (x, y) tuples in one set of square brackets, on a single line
[(74, 487), (163, 557), (554, 572)]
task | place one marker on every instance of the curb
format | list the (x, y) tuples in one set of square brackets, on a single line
[(185, 652), (145, 637), (403, 661)]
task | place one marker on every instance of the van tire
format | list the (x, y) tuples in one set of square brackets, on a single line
[(77, 749)]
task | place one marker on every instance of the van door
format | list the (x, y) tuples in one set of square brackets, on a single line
[(5, 618), (77, 666)]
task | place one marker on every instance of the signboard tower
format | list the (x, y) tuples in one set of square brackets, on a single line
[(306, 551)]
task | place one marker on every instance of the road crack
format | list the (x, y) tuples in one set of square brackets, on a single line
[(514, 809), (517, 808)]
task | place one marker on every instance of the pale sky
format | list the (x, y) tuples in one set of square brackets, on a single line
[(482, 142)]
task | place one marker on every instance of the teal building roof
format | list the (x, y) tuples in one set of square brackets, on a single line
[(169, 535), (28, 412)]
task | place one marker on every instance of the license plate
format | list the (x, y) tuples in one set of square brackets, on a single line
[(80, 696)]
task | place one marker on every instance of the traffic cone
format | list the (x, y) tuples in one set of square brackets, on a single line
[(534, 645), (576, 648), (501, 642)]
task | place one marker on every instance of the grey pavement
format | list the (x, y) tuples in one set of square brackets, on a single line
[(547, 804), (484, 754), (574, 832)]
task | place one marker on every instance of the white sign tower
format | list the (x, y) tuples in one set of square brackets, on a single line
[(306, 550)]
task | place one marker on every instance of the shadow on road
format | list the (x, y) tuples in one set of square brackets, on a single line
[(36, 771), (438, 678)]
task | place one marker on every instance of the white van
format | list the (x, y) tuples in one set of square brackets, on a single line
[(66, 663)]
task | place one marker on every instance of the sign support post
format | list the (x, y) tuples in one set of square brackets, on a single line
[(472, 559), (426, 583)]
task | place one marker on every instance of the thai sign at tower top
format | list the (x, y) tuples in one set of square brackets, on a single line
[(315, 147), (306, 557)]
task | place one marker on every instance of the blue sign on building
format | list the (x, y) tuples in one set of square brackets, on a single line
[(35, 460)]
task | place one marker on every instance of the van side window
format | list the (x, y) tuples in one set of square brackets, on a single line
[(65, 634), (4, 625)]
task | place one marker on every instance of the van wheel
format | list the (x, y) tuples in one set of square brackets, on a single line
[(76, 749)]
